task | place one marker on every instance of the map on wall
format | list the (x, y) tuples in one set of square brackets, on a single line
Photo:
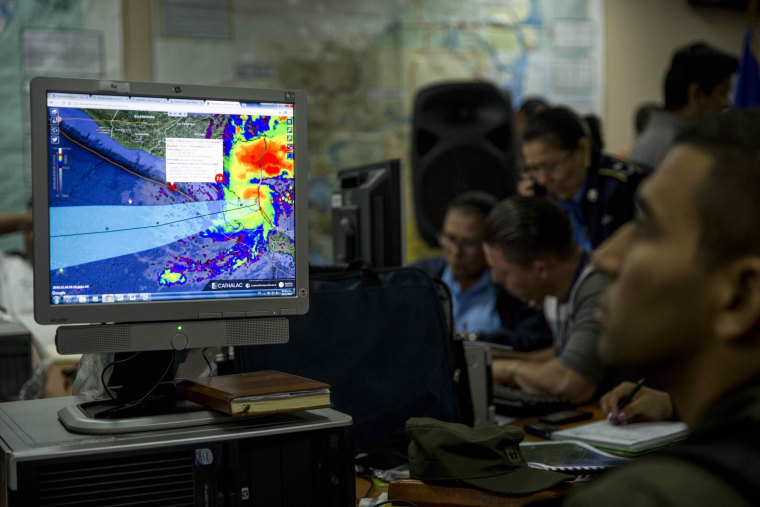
[(67, 38), (361, 63)]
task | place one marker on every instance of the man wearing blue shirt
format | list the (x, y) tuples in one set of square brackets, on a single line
[(479, 305)]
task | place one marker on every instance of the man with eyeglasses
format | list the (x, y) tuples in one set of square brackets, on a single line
[(479, 305), (595, 189)]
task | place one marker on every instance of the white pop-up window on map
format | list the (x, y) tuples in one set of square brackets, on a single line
[(193, 160)]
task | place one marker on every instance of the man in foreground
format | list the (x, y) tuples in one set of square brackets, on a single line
[(684, 306)]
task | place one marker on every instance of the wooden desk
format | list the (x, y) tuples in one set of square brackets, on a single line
[(435, 495), (364, 489), (425, 494)]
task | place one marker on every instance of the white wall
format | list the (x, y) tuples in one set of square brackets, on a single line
[(640, 37)]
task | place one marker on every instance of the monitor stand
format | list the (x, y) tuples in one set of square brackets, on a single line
[(76, 418), (134, 376)]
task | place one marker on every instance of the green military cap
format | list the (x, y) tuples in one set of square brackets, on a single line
[(487, 457)]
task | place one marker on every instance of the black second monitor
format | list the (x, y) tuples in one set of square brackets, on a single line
[(368, 215)]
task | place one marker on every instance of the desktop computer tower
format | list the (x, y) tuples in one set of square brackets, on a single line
[(15, 358), (299, 458)]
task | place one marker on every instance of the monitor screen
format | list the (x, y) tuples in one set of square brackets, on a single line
[(157, 202), (368, 215)]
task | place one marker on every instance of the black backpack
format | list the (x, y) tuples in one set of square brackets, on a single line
[(382, 340)]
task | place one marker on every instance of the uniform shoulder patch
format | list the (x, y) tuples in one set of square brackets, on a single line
[(619, 169)]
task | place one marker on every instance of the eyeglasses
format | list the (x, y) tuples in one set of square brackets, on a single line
[(448, 241), (547, 167)]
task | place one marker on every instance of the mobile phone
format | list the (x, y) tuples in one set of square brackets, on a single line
[(540, 429), (564, 417)]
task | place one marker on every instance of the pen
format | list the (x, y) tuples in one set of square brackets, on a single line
[(625, 400)]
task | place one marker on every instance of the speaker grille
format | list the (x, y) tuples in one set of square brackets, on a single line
[(164, 479), (257, 331), (84, 339), (462, 140)]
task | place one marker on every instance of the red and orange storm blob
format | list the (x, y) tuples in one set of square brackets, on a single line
[(259, 158)]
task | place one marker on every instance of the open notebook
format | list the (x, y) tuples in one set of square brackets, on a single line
[(628, 439), (569, 457)]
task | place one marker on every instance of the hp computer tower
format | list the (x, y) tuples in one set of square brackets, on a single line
[(299, 458)]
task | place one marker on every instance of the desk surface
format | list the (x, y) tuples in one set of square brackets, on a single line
[(433, 495)]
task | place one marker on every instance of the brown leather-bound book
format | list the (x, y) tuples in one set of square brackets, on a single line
[(256, 393)]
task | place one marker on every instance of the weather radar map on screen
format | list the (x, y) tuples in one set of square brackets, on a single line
[(157, 198)]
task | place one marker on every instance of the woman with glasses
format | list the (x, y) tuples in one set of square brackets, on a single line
[(563, 161)]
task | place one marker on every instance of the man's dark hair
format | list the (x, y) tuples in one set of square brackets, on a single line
[(558, 126), (473, 202), (697, 63), (526, 228), (728, 201), (533, 105)]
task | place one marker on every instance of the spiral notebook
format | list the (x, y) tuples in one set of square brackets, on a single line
[(575, 458), (630, 439)]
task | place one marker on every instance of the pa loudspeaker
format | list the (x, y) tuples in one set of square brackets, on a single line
[(463, 140)]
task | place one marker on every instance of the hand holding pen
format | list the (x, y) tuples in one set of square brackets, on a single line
[(634, 402)]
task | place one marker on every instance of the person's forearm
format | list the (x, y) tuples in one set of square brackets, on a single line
[(12, 222), (504, 367), (552, 377)]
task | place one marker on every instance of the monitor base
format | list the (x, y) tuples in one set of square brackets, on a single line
[(87, 418)]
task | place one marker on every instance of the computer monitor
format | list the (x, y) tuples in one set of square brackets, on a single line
[(368, 215), (167, 216)]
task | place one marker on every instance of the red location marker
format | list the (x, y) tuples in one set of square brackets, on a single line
[(172, 186), (219, 178)]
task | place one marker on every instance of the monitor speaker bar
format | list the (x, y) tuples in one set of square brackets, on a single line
[(102, 338)]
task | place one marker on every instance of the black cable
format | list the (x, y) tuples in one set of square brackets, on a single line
[(208, 363), (155, 386), (369, 478), (371, 488), (111, 365), (127, 405)]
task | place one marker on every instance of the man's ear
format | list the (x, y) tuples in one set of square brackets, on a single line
[(738, 299), (542, 267)]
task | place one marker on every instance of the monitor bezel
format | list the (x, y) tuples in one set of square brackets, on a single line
[(45, 312)]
